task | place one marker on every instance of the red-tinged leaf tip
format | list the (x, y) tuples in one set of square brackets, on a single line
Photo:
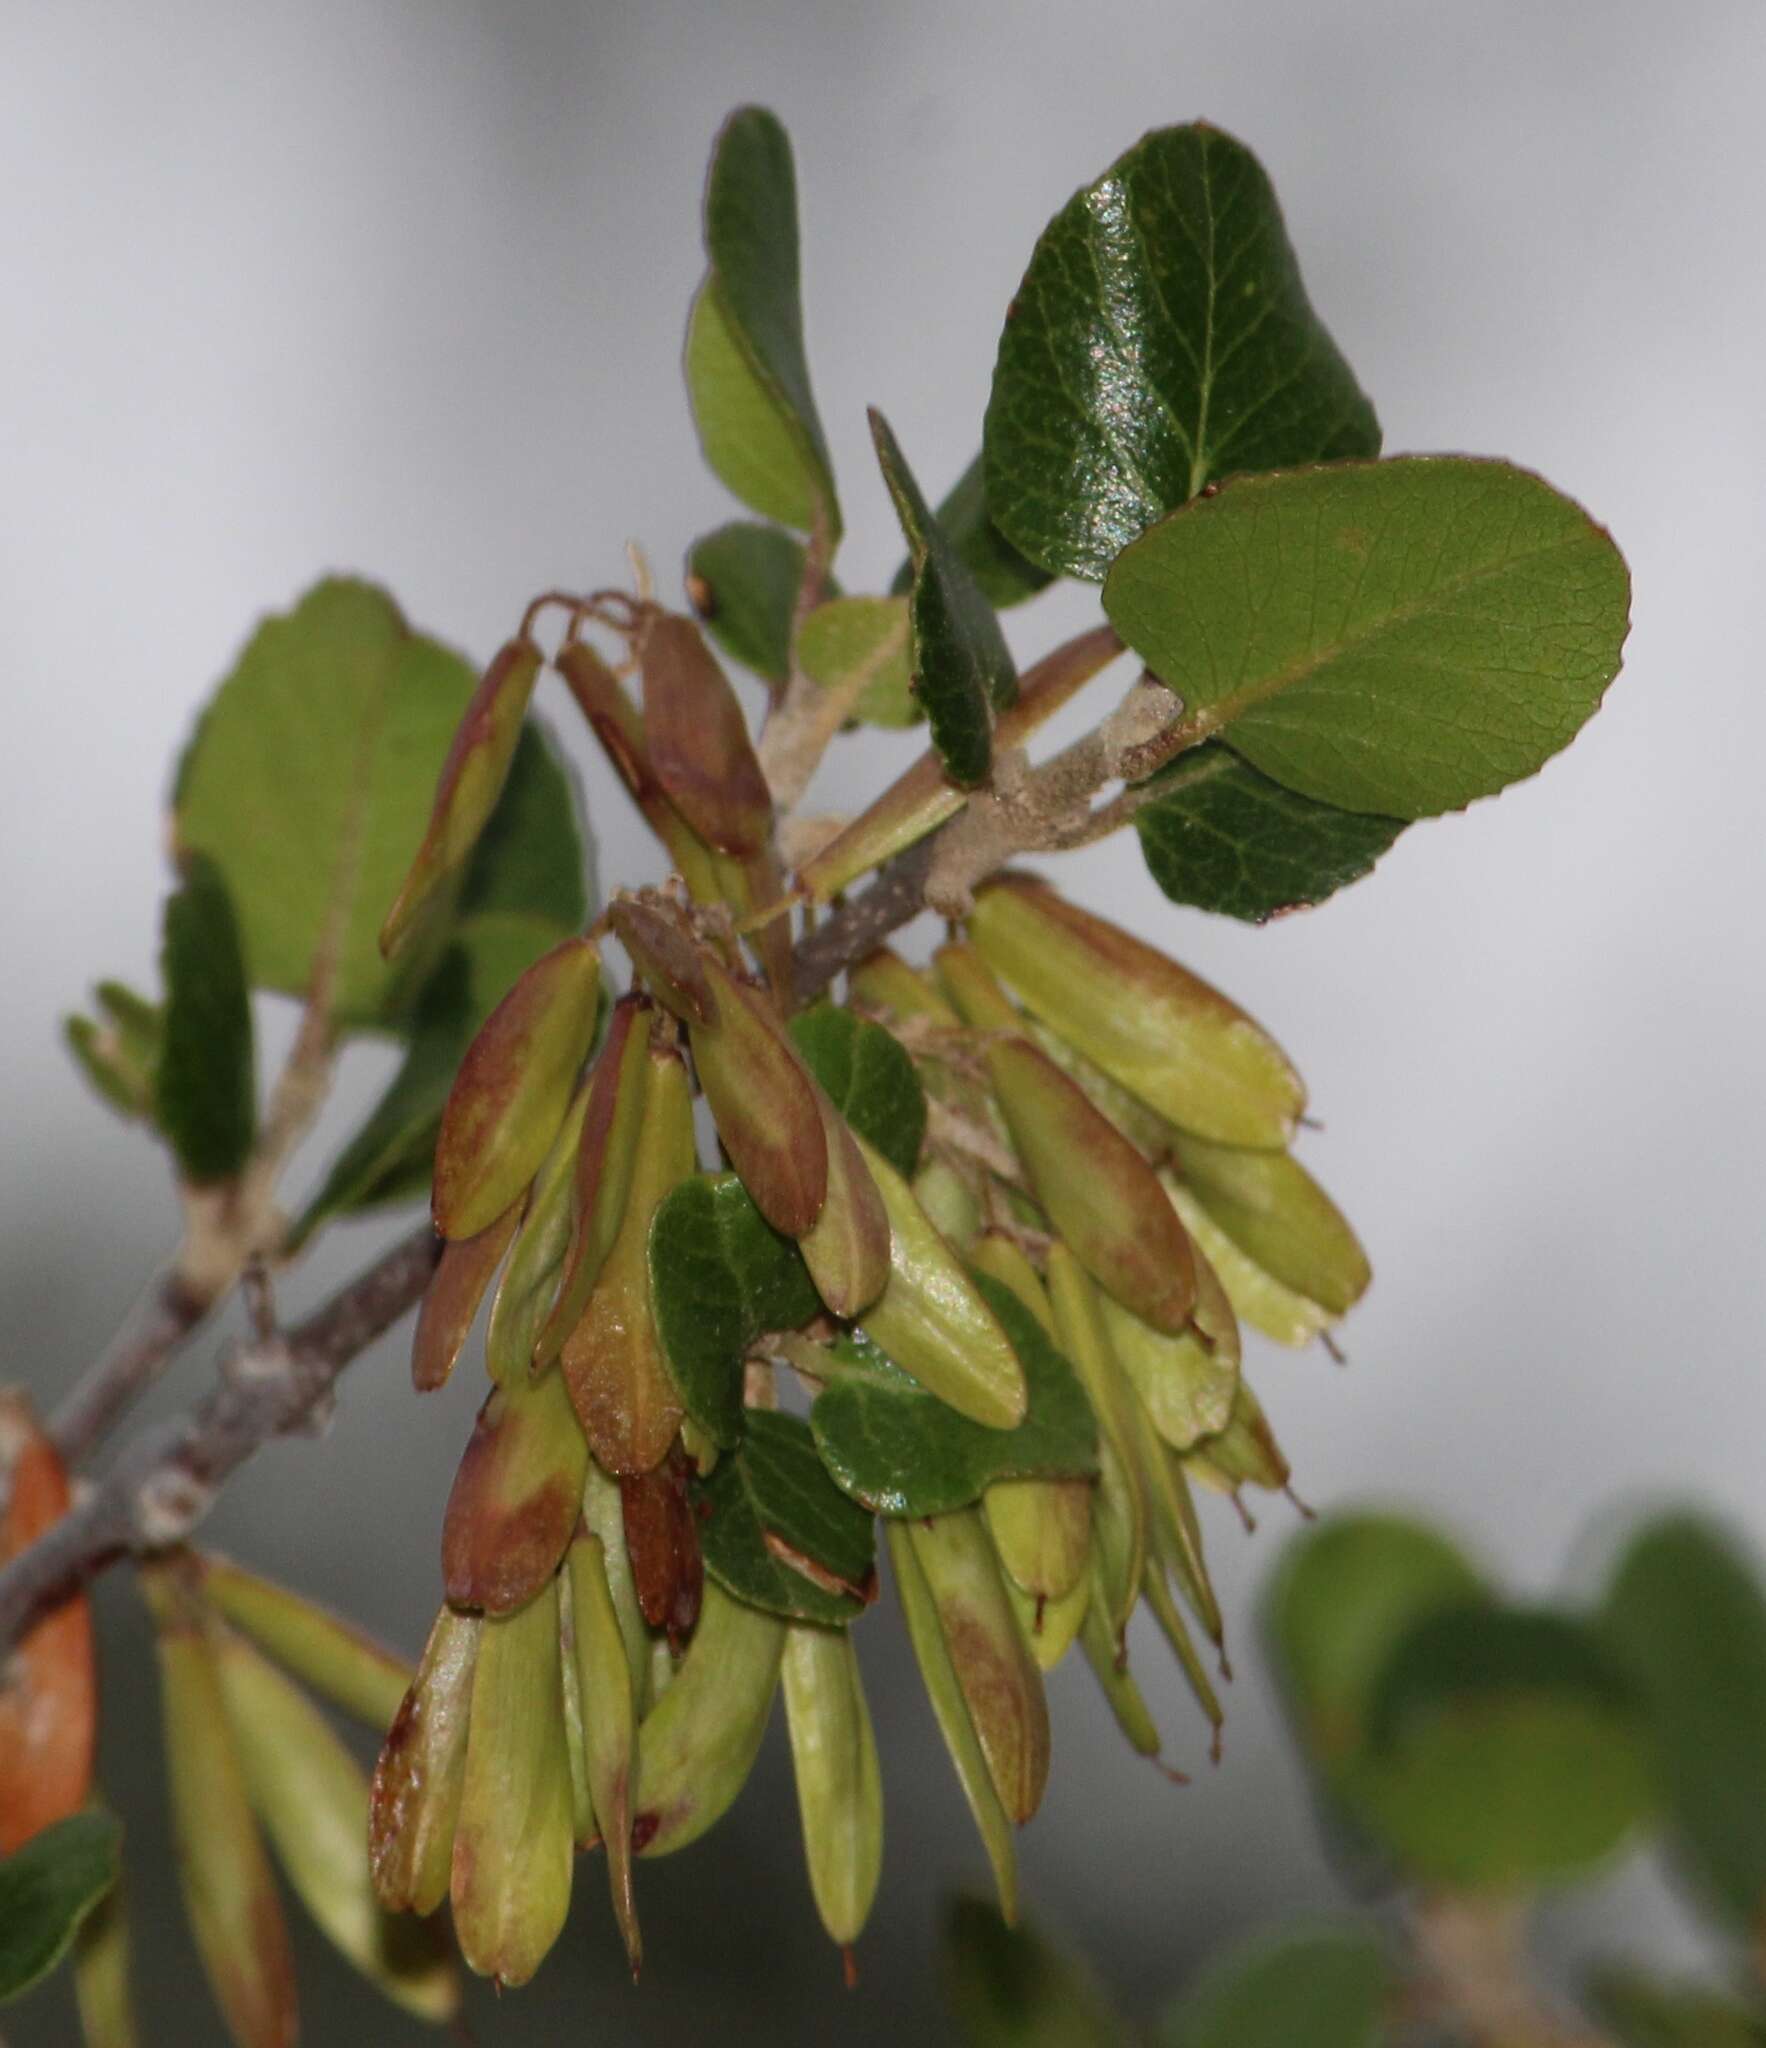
[(658, 937), (516, 1498), (698, 739), (451, 1301), (764, 1104), (513, 1088)]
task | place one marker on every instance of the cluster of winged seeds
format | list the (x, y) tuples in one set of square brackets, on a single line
[(972, 1266)]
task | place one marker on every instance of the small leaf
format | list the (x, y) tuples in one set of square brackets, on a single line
[(1345, 1592), (118, 1051), (839, 1784), (468, 788), (1161, 339), (720, 1275), (1328, 1988), (1002, 575), (998, 1676), (933, 1320), (609, 1721), (1395, 637), (1188, 1381), (1278, 1216), (47, 1888), (962, 668), (513, 1087), (1010, 1988), (205, 1087), (309, 779), (1685, 1614), (869, 1077), (532, 860), (516, 1496), (612, 1360), (746, 370), (860, 645), (897, 1448), (945, 1695), (529, 1284), (1169, 1038), (513, 1841), (780, 1535), (698, 739), (452, 1299), (698, 1743), (414, 1799), (1222, 837), (661, 1531), (742, 582), (1504, 1751)]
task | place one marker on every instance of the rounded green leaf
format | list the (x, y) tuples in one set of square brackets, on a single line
[(1504, 1751), (1344, 1594), (869, 1077), (1394, 637), (1222, 837), (1686, 1616), (1161, 340), (309, 782), (778, 1533), (742, 582), (1328, 1988), (861, 644)]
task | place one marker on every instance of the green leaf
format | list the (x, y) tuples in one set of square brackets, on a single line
[(1504, 1751), (1644, 2014), (1328, 1988), (1161, 340), (743, 582), (205, 1083), (720, 1274), (962, 668), (1685, 1614), (869, 1077), (1345, 1592), (1008, 1987), (47, 1888), (1003, 576), (118, 1051), (861, 643), (1398, 637), (746, 370), (1222, 837), (779, 1534), (309, 781), (901, 1451)]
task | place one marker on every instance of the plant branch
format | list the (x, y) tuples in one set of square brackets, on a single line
[(135, 1357), (1473, 1952), (166, 1480)]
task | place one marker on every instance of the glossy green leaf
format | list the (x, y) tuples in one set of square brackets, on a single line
[(1010, 1987), (1222, 837), (962, 668), (205, 1084), (1002, 575), (1504, 1751), (1161, 340), (902, 1451), (720, 1275), (869, 1077), (746, 370), (859, 647), (1328, 1988), (47, 1888), (1645, 2014), (779, 1534), (1395, 637), (1345, 1592), (742, 581), (1685, 1614), (309, 781)]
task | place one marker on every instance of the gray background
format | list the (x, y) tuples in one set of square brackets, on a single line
[(399, 288)]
